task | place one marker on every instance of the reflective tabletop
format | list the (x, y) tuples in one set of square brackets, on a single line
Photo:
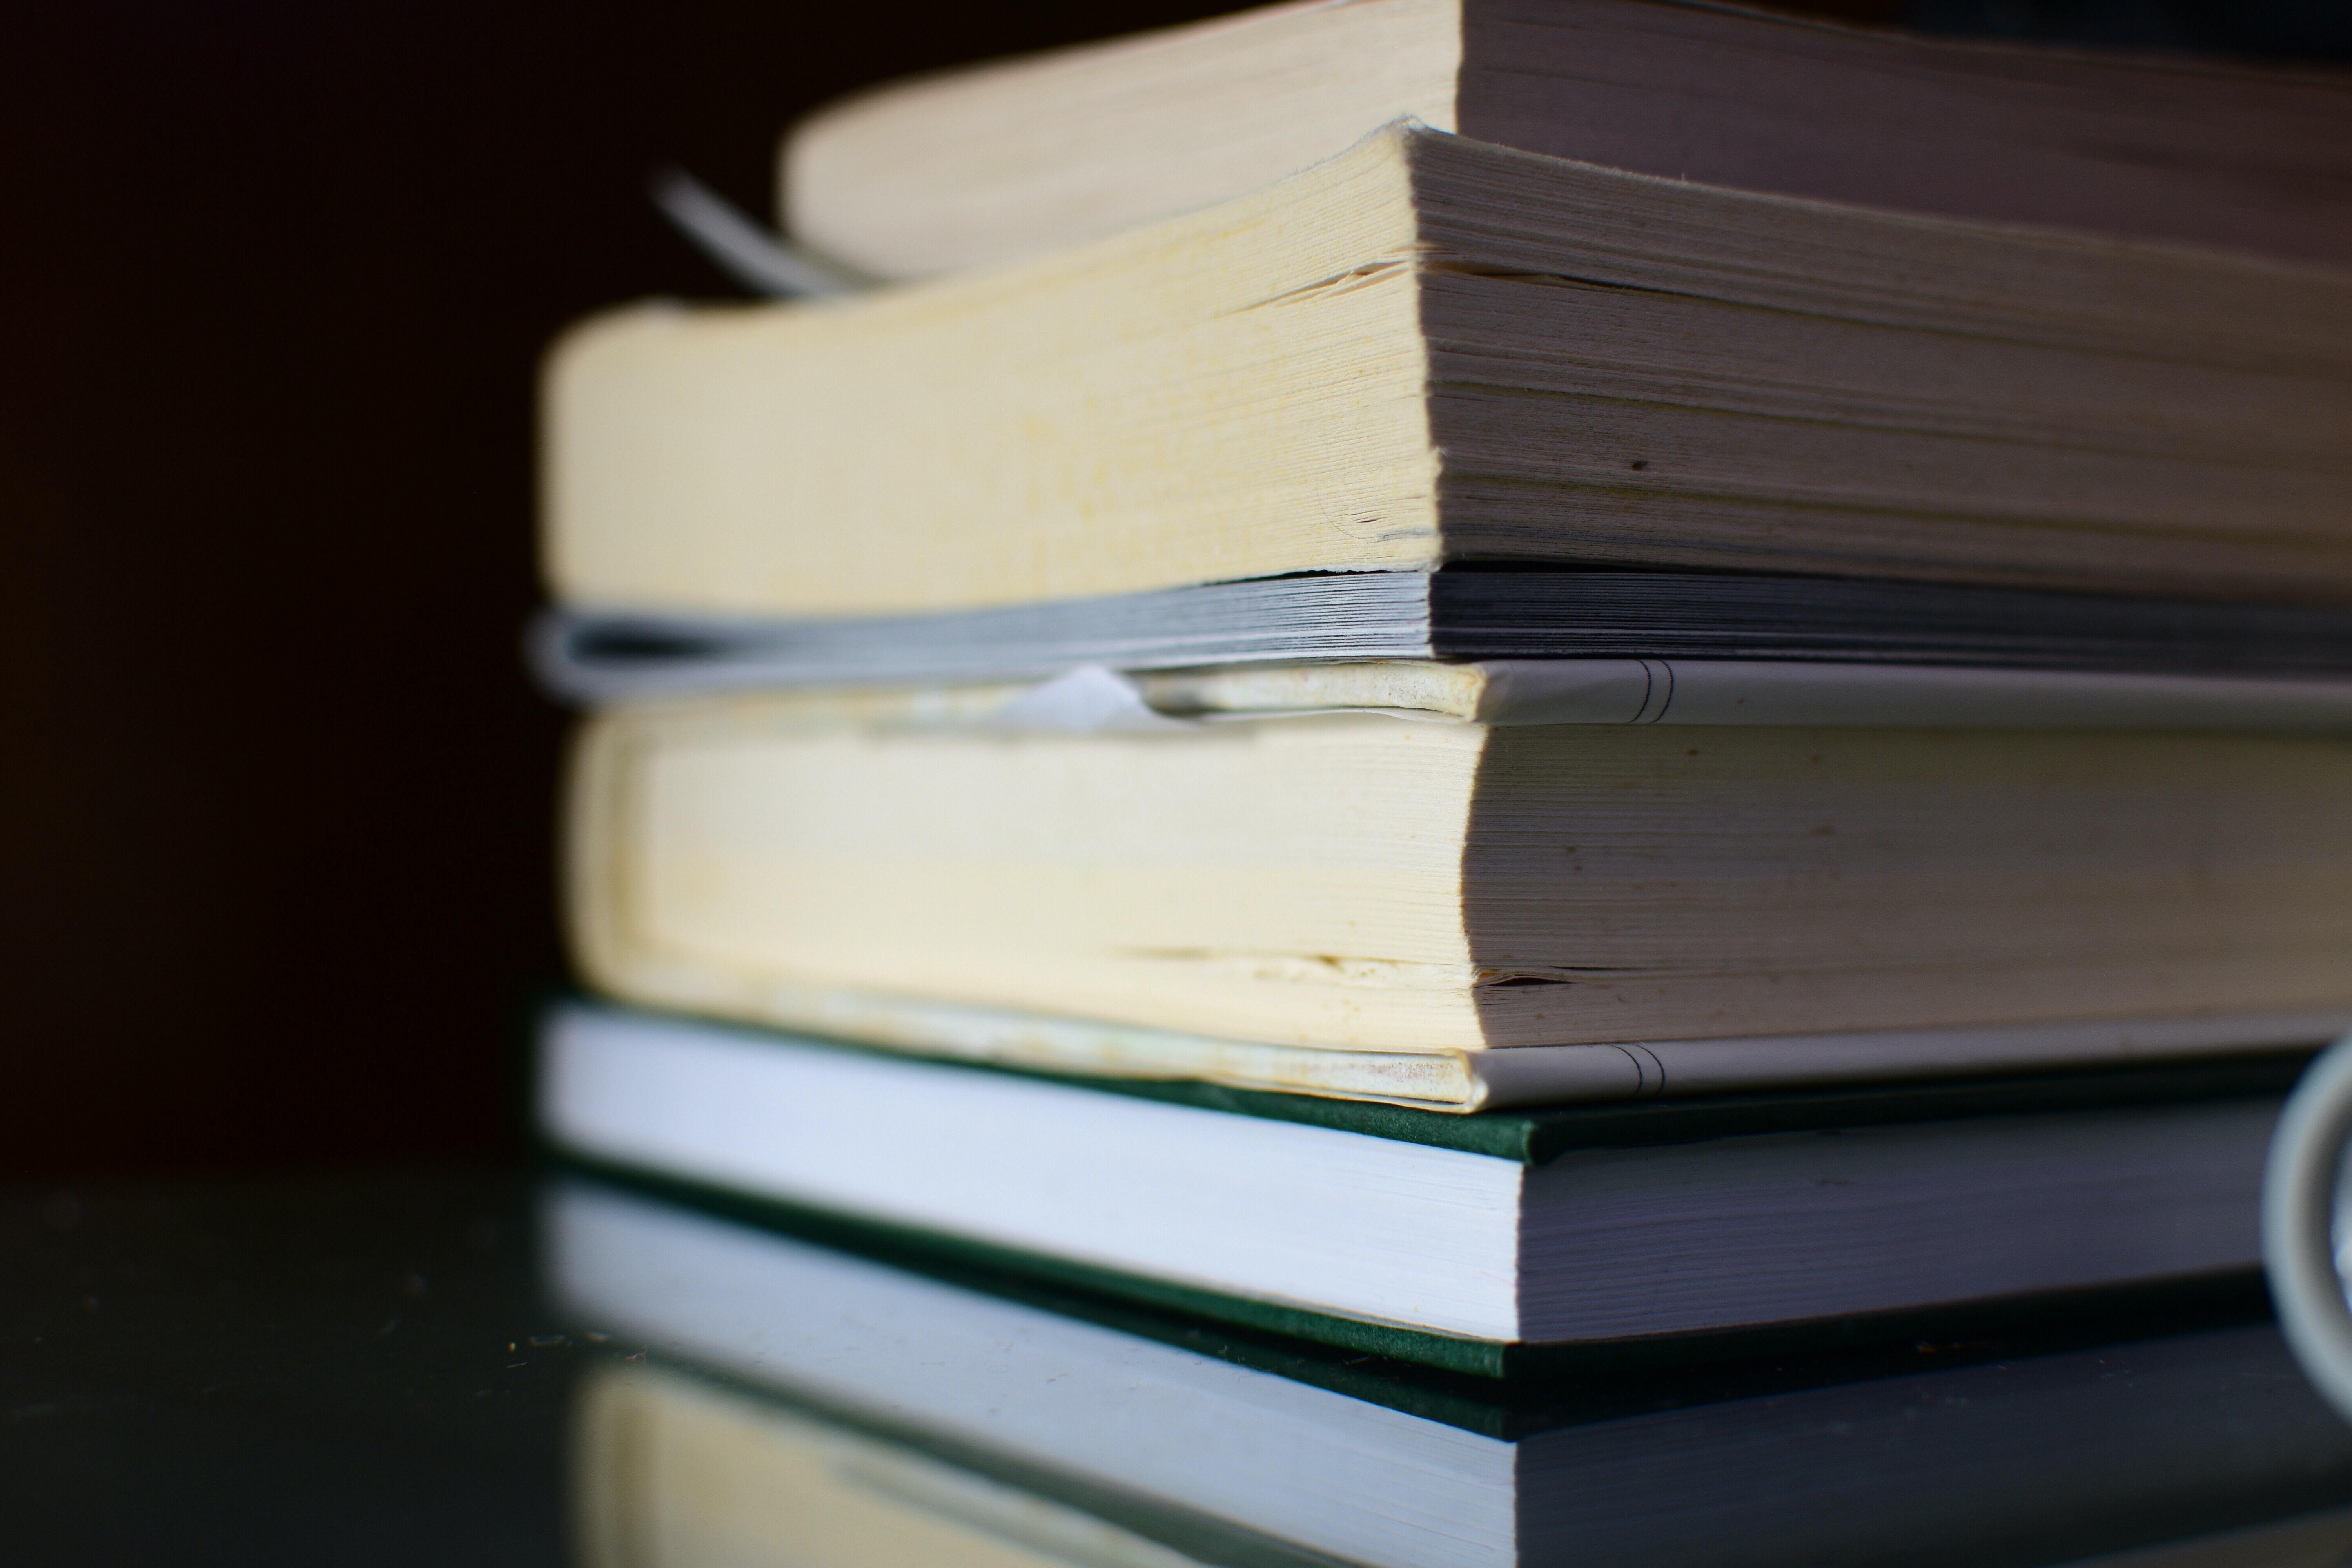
[(526, 1365)]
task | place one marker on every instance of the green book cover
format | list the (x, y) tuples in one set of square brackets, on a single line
[(1534, 1138), (1497, 1390)]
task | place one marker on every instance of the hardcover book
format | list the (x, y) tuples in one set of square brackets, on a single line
[(1488, 1244)]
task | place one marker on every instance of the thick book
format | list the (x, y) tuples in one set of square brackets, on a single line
[(992, 162), (1429, 349), (1490, 1244), (1994, 1447), (1455, 912)]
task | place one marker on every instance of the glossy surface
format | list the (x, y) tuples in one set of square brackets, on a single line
[(305, 1370), (365, 1368)]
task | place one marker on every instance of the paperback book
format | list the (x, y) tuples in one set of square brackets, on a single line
[(1431, 349), (1461, 913), (996, 161)]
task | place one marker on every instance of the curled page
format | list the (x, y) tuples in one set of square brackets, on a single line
[(1086, 698)]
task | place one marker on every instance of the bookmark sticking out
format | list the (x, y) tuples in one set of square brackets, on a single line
[(760, 261), (1089, 699), (1093, 698)]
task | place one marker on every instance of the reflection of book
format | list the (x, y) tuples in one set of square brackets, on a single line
[(672, 1472), (2032, 1457), (675, 1471), (1012, 158), (1455, 912), (1430, 350), (1464, 1242)]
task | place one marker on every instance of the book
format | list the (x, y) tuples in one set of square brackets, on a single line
[(1429, 349), (2003, 1449), (1701, 623), (1489, 1245), (583, 668), (1460, 914), (673, 1468), (992, 162)]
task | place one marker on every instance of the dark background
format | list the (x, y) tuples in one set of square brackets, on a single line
[(275, 797)]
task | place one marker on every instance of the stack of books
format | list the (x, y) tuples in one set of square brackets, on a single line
[(1485, 684)]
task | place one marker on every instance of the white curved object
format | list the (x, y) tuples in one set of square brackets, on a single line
[(2299, 1192)]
